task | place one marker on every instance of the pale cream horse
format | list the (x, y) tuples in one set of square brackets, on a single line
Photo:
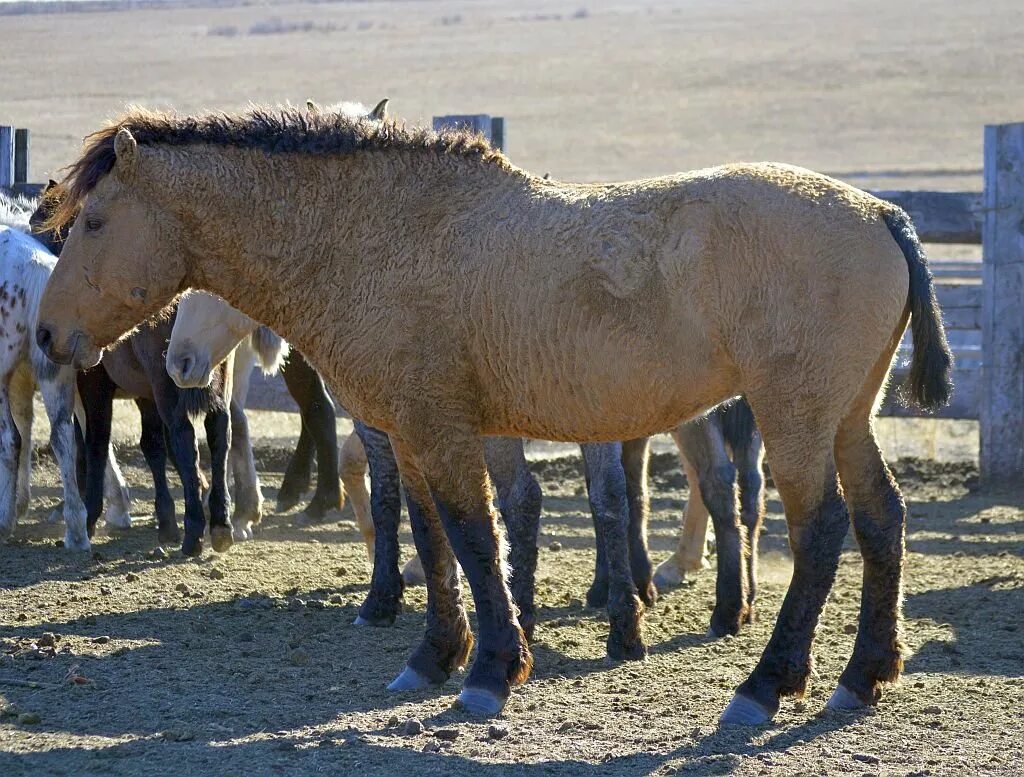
[(446, 295)]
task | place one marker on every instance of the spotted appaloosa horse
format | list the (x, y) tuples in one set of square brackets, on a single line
[(25, 266)]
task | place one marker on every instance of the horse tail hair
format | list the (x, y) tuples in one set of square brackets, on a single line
[(738, 425), (270, 348), (930, 385)]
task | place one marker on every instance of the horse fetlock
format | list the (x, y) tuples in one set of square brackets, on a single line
[(192, 545), (168, 532), (727, 619), (74, 539), (380, 609), (625, 633), (442, 652), (597, 594)]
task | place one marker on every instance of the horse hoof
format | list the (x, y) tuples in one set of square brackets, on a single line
[(192, 548), (76, 542), (117, 518), (743, 711), (220, 537), (844, 699), (168, 535), (479, 701), (409, 680)]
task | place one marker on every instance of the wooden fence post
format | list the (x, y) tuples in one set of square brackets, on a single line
[(21, 151), (1002, 395), (6, 157)]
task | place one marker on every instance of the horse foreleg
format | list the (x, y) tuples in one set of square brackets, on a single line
[(384, 599), (22, 390), (635, 454), (154, 449), (10, 446), (606, 483), (519, 500), (97, 392), (218, 437)]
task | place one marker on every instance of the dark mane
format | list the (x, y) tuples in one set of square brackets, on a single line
[(272, 130)]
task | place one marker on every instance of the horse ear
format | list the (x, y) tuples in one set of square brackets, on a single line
[(51, 185), (312, 107), (126, 150), (381, 111)]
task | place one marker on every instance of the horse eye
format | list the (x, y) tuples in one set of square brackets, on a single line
[(93, 224)]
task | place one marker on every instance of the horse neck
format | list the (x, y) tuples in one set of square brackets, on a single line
[(298, 258)]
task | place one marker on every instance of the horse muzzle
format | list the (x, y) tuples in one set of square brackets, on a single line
[(76, 350)]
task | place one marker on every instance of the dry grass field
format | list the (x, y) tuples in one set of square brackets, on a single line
[(248, 663)]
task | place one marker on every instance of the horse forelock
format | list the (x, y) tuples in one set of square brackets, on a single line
[(280, 130)]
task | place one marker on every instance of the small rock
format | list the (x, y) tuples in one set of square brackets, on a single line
[(131, 577), (985, 519), (217, 574), (183, 589), (392, 721), (555, 546), (866, 758), (246, 636), (799, 706), (336, 599), (157, 553), (412, 727), (934, 709), (21, 617), (48, 639), (567, 726), (106, 590), (576, 602), (298, 657), (497, 731), (285, 745), (432, 747), (850, 628), (326, 742), (341, 571), (101, 640), (29, 718), (447, 734)]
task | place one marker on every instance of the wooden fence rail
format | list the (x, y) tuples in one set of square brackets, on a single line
[(982, 302)]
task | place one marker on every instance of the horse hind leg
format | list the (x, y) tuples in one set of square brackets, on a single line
[(690, 554), (800, 448), (59, 399), (352, 466), (879, 523), (748, 457), (248, 498), (22, 392)]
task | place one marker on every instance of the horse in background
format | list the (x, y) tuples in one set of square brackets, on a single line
[(25, 267)]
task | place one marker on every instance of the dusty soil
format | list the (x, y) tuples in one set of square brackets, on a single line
[(249, 662)]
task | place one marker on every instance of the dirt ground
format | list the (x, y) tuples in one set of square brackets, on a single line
[(249, 662)]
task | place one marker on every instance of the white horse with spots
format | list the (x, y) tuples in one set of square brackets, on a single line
[(25, 267)]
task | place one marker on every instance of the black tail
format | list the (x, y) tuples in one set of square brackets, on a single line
[(737, 422), (930, 384)]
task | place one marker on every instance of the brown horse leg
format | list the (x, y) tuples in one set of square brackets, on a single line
[(747, 458), (703, 445), (803, 466), (352, 468), (606, 486), (452, 463), (689, 555), (879, 521), (635, 455), (448, 639), (519, 500)]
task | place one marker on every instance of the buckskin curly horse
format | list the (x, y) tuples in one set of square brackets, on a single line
[(447, 295)]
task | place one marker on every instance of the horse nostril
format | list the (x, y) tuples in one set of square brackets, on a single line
[(185, 364), (44, 337)]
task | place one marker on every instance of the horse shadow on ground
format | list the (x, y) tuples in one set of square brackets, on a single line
[(984, 618)]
